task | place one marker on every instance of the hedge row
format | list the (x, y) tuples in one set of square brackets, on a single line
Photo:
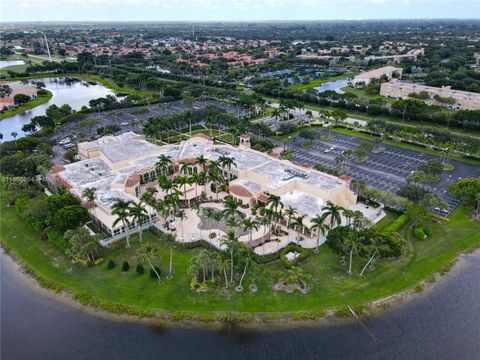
[(304, 253), (396, 225)]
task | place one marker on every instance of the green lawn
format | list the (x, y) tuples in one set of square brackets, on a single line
[(332, 286), (386, 221), (27, 106)]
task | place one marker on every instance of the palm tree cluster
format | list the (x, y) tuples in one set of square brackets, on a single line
[(209, 265), (129, 213)]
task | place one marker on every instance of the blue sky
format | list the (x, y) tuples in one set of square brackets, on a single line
[(201, 10)]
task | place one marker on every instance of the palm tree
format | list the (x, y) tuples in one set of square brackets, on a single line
[(247, 257), (277, 112), (250, 225), (166, 185), (138, 213), (223, 265), (374, 249), (203, 261), (164, 162), (170, 241), (232, 222), (215, 178), (90, 194), (319, 224), (333, 211), (183, 181), (182, 216), (14, 135), (184, 167), (348, 216), (290, 212), (149, 199), (352, 242), (196, 178), (202, 161), (231, 207), (147, 253), (226, 162), (231, 242), (120, 209), (275, 202), (299, 226)]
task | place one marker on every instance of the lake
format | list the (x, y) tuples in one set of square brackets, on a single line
[(76, 94), (333, 86), (441, 323), (6, 63)]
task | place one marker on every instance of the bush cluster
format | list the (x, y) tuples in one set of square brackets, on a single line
[(293, 248), (396, 225)]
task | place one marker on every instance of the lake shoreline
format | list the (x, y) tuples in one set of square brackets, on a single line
[(27, 106), (257, 321)]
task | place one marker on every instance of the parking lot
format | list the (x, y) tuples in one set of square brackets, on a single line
[(387, 170), (132, 119)]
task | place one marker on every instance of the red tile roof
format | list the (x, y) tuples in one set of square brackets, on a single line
[(57, 168), (240, 191), (263, 198), (133, 180)]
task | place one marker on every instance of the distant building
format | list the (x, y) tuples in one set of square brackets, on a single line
[(367, 77), (444, 96), (6, 103)]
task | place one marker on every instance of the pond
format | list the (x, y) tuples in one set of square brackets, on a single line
[(441, 323), (335, 85), (7, 63), (76, 94)]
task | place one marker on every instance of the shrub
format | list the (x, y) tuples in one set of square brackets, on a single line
[(396, 225), (212, 235), (152, 273), (419, 234), (57, 238), (110, 264), (309, 134), (293, 248), (427, 231), (125, 266), (140, 269)]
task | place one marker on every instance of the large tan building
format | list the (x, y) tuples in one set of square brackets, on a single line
[(117, 166), (464, 100), (368, 76)]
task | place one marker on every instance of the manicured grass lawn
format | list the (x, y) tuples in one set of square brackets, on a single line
[(332, 286), (27, 106), (386, 221)]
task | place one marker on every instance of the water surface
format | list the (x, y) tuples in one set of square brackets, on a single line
[(443, 323), (335, 85), (76, 94), (6, 63)]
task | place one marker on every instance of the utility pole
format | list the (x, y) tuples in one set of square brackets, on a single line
[(48, 49)]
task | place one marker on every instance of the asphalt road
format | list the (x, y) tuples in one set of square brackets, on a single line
[(387, 170)]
